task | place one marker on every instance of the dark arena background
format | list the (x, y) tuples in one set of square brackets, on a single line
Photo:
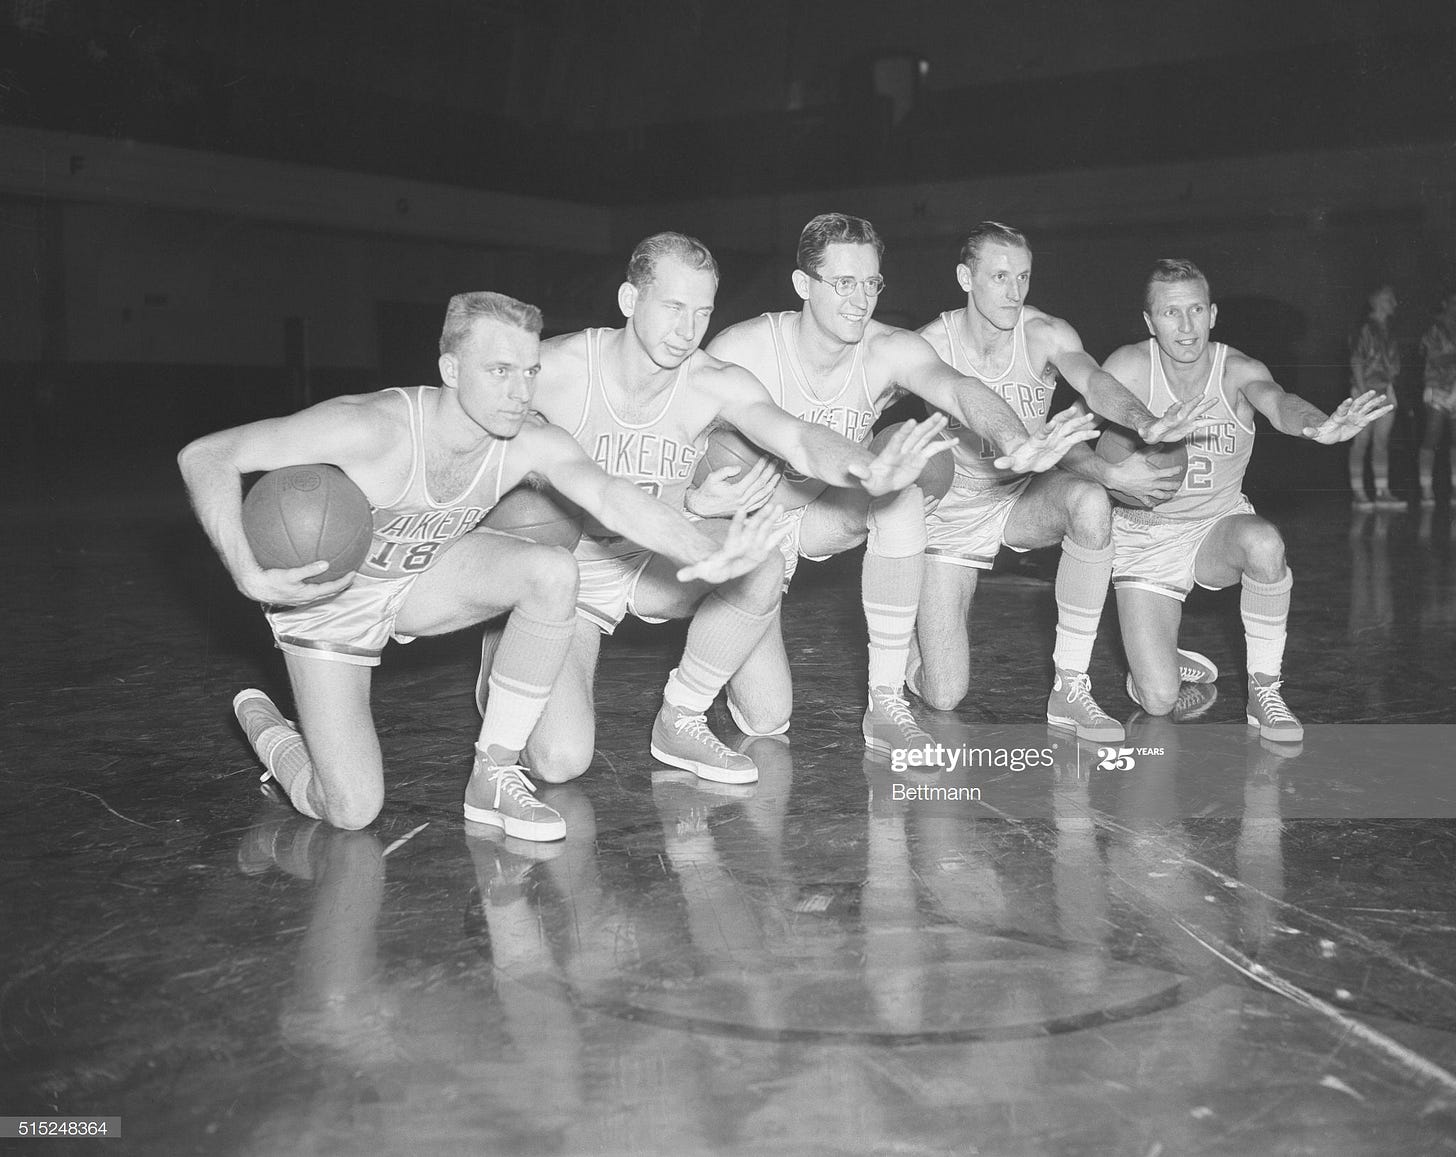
[(213, 211)]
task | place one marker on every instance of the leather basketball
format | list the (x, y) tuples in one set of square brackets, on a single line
[(543, 516), (1116, 444), (300, 514)]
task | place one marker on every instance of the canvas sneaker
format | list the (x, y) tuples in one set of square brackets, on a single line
[(1071, 707), (681, 739), (513, 805), (1268, 712), (889, 725)]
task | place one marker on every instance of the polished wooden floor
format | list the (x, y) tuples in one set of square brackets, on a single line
[(1226, 948)]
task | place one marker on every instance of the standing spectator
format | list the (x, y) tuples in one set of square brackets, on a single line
[(1374, 365), (1439, 395)]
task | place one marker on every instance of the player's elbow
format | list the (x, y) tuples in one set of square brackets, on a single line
[(199, 455), (187, 456)]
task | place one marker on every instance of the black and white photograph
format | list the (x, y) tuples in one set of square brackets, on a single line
[(571, 595)]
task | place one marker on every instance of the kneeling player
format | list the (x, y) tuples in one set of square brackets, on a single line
[(1019, 351), (432, 461), (1208, 533)]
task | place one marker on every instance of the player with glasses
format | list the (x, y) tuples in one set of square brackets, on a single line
[(831, 363), (845, 286)]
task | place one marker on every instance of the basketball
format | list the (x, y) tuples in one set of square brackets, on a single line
[(300, 514), (727, 447), (1116, 444), (938, 473), (543, 516)]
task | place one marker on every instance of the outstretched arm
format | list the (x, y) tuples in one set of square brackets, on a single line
[(919, 369), (1290, 414), (635, 514), (1111, 399), (818, 451)]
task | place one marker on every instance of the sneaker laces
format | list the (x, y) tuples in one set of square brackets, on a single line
[(896, 707), (1188, 696), (510, 780), (696, 727), (1190, 674), (1271, 702), (1079, 694)]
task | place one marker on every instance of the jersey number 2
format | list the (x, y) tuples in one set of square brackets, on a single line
[(1199, 475)]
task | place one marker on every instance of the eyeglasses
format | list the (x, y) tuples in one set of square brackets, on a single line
[(844, 286)]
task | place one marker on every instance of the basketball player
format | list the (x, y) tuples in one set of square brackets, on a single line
[(832, 363), (1018, 350), (638, 399), (432, 461), (1208, 533)]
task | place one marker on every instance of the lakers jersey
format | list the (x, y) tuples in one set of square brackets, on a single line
[(411, 530), (656, 454), (1027, 390), (1218, 449), (847, 409)]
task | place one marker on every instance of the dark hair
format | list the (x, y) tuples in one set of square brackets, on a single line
[(465, 309), (642, 265), (834, 229), (985, 233), (1170, 271)]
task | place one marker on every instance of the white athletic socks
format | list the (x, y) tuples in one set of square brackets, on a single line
[(894, 566), (278, 744), (891, 591), (720, 638), (1265, 611), (1081, 589), (526, 664), (284, 753)]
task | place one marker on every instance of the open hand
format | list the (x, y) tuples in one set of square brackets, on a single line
[(1177, 422), (751, 538), (901, 459), (1044, 450), (1350, 417)]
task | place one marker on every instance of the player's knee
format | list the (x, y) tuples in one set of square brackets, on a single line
[(1157, 696), (942, 698), (1264, 552), (356, 808), (895, 524), (561, 759), (557, 772), (761, 588), (766, 721), (1089, 513), (554, 579), (943, 690)]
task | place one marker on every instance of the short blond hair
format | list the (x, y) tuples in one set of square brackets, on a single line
[(465, 309)]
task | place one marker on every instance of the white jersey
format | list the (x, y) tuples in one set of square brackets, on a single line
[(1023, 387), (1218, 448), (411, 529), (656, 454), (847, 409)]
